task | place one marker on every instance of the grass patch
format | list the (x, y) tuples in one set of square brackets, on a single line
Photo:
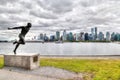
[(94, 69), (1, 62)]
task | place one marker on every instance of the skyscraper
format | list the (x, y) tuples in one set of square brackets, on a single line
[(95, 33), (71, 36), (64, 35), (107, 36), (41, 36), (82, 36), (92, 34), (90, 37), (86, 37), (113, 36), (101, 36), (116, 37), (77, 37), (57, 35), (52, 38), (74, 37), (46, 37)]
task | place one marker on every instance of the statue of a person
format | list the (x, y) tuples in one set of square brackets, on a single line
[(24, 31)]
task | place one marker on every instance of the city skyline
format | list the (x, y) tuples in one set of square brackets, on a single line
[(94, 31), (94, 35), (52, 15)]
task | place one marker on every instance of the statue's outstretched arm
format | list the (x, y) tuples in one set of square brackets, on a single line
[(20, 27)]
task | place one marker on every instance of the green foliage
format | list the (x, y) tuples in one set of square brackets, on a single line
[(1, 62), (93, 69)]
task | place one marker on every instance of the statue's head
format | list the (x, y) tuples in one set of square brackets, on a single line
[(29, 25)]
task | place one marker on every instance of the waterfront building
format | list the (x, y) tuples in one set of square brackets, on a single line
[(57, 35), (90, 37), (113, 36), (92, 30), (74, 37), (52, 38), (82, 38), (117, 37), (41, 36), (64, 37), (71, 36), (95, 33), (100, 36), (77, 37), (107, 36), (86, 37), (67, 37), (92, 34), (46, 37)]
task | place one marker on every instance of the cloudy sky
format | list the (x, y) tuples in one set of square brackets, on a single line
[(48, 16)]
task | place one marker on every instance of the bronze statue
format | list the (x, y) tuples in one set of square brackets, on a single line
[(24, 31)]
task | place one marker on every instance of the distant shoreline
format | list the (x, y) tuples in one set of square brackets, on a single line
[(65, 42), (82, 56), (79, 56), (62, 42)]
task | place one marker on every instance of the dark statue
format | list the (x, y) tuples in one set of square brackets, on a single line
[(24, 31)]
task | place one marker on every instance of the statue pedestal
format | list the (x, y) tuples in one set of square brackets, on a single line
[(23, 61)]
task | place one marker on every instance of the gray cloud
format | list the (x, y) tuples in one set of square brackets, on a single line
[(57, 6), (52, 15), (4, 2), (45, 15)]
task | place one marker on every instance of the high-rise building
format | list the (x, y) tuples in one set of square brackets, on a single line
[(67, 37), (95, 33), (86, 37), (119, 36), (101, 36), (74, 37), (113, 36), (92, 30), (92, 34), (46, 37), (57, 35), (90, 37), (64, 35), (52, 38), (107, 36), (116, 37), (71, 36), (77, 37), (41, 36), (82, 37)]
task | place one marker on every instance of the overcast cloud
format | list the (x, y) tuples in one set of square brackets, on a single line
[(51, 15)]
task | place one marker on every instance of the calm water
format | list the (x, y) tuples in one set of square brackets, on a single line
[(64, 49)]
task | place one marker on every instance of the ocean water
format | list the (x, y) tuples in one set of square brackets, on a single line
[(63, 49)]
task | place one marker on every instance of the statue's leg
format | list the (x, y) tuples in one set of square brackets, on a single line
[(15, 42), (17, 45)]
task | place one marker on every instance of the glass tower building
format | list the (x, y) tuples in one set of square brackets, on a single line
[(57, 35), (64, 35), (107, 36)]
